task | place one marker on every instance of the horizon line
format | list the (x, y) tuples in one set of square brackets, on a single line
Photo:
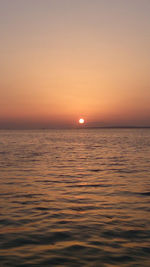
[(77, 128)]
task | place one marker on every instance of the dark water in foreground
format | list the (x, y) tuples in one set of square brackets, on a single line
[(75, 198)]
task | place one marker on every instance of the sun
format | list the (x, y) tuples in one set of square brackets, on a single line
[(81, 121)]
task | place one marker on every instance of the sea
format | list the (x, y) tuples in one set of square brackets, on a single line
[(75, 197)]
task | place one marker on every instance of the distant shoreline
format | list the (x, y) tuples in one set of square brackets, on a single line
[(75, 128)]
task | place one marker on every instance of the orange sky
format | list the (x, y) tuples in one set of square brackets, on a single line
[(65, 59)]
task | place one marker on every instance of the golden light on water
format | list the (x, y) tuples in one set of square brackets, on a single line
[(81, 121)]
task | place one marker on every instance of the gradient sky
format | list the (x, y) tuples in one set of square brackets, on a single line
[(66, 59)]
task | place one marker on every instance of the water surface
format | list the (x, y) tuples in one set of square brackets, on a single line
[(75, 197)]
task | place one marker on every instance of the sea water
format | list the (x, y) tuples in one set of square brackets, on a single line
[(75, 197)]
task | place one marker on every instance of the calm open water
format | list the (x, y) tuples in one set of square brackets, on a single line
[(75, 197)]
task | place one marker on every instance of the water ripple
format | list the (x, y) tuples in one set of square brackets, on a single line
[(75, 198)]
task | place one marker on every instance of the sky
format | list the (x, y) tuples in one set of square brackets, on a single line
[(66, 59)]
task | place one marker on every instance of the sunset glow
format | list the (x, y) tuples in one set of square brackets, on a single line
[(81, 121), (74, 132), (60, 59)]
